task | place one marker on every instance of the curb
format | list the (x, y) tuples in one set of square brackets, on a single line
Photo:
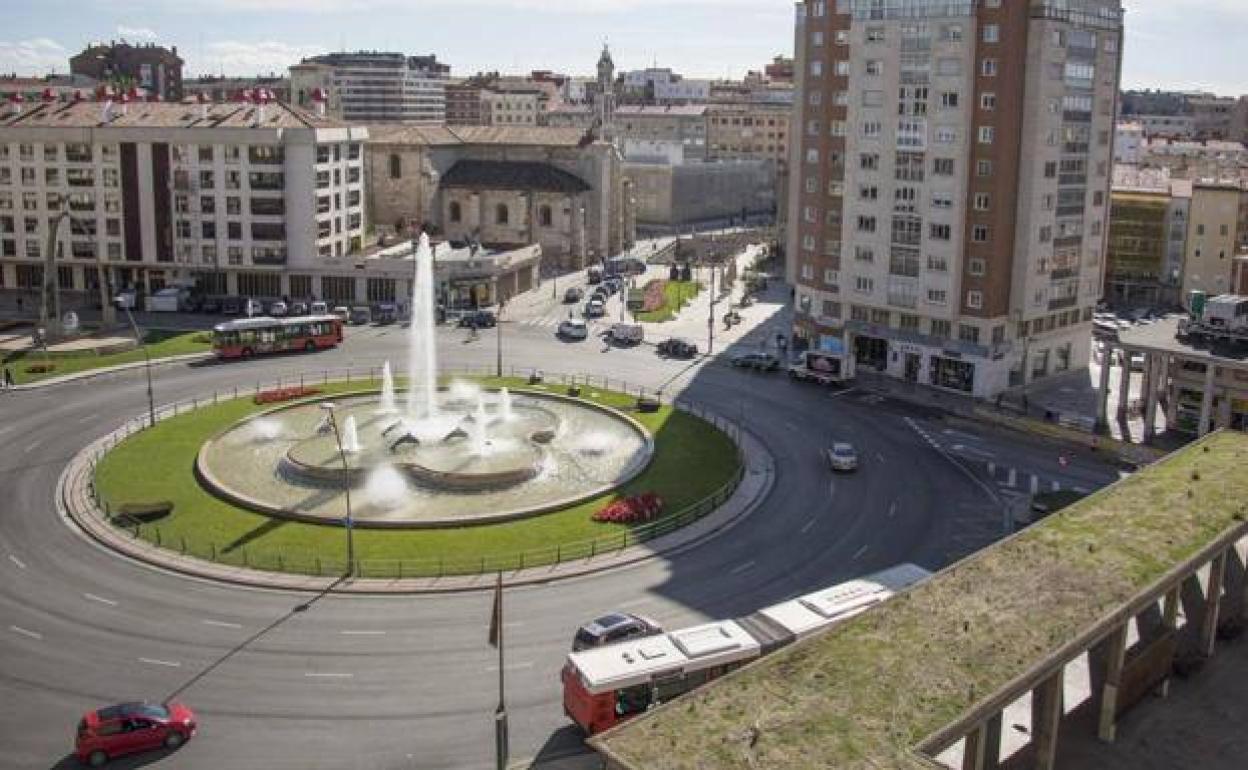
[(75, 505), (89, 373)]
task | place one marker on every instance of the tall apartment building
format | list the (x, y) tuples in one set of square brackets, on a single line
[(375, 87), (259, 201), (154, 68), (950, 187)]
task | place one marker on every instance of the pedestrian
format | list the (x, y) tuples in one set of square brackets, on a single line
[(8, 377), (19, 305)]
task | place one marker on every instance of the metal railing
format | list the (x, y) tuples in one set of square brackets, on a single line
[(307, 563)]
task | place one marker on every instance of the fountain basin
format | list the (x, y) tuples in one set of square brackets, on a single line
[(541, 452)]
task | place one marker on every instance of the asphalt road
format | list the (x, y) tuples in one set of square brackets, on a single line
[(297, 681)]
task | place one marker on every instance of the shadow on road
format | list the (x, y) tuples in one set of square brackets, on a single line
[(70, 762)]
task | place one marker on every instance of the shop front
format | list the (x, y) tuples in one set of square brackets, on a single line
[(952, 373)]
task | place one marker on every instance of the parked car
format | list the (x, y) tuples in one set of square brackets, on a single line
[(319, 308), (298, 308), (678, 347), (253, 307), (612, 628), (595, 308), (627, 334), (386, 313), (210, 305), (842, 457), (361, 314), (232, 305), (573, 329), (613, 285), (594, 275), (763, 362), (343, 312), (128, 728), (278, 309), (125, 300), (573, 295), (479, 319)]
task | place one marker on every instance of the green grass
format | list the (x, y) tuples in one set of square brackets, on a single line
[(675, 295), (865, 694), (692, 461), (160, 344)]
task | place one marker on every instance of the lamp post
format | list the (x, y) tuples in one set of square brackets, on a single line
[(329, 407), (147, 366), (498, 336)]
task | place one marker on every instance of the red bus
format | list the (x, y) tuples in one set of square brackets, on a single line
[(247, 337)]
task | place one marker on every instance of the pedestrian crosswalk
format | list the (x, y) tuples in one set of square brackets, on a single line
[(1009, 477)]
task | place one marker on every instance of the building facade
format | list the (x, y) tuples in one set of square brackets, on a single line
[(375, 87), (748, 131), (683, 124), (463, 104), (256, 201), (1149, 213), (503, 186), (948, 217), (1212, 237), (153, 68), (671, 197)]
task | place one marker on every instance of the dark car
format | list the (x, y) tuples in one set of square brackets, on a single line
[(678, 347), (360, 315), (616, 627), (763, 362), (479, 319), (594, 275), (573, 295), (613, 285), (128, 728), (210, 305), (386, 313), (298, 308)]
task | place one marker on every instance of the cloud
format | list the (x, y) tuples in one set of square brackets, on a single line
[(136, 33), (237, 57), (36, 56), (563, 7)]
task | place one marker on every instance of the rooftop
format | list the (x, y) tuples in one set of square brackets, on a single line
[(1159, 336), (869, 691), (648, 110), (512, 175), (500, 135), (89, 114)]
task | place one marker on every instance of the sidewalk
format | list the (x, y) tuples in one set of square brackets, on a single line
[(75, 503)]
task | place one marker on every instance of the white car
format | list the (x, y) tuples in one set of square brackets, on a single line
[(318, 308), (573, 329), (842, 457)]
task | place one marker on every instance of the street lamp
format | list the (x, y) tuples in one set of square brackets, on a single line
[(147, 366), (328, 407)]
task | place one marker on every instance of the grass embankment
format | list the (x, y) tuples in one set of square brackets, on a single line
[(866, 693), (692, 460), (675, 295), (160, 344)]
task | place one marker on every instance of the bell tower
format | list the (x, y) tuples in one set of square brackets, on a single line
[(606, 94)]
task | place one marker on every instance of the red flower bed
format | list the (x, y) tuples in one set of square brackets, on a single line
[(655, 296), (41, 368), (632, 510), (284, 394)]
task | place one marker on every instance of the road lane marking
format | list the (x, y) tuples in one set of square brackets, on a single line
[(327, 675), (858, 554), (220, 624), (742, 567), (158, 662), (87, 419), (100, 599), (27, 632), (808, 525), (840, 393), (879, 456), (32, 446), (20, 564), (892, 509), (512, 666), (361, 632)]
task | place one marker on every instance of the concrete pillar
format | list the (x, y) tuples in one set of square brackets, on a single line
[(1206, 400), (1115, 654), (1213, 600), (1124, 382), (1046, 715), (1157, 370), (1102, 395)]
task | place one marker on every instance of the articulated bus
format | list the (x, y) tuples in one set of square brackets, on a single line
[(247, 337), (606, 685)]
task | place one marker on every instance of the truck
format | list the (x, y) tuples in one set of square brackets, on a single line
[(1219, 319), (823, 367)]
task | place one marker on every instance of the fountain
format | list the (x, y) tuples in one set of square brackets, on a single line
[(350, 436), (440, 459), (386, 405)]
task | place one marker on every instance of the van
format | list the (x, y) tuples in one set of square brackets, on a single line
[(343, 312), (319, 308), (627, 334), (360, 314)]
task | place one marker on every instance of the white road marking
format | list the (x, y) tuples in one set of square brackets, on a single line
[(327, 675), (808, 525), (100, 599), (220, 624), (840, 393), (361, 632), (879, 456), (158, 662), (742, 568), (32, 446), (27, 632), (87, 419), (1012, 479), (858, 554), (512, 666), (892, 509), (1057, 486), (1082, 490), (20, 564)]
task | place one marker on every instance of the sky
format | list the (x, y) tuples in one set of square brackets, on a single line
[(1171, 44)]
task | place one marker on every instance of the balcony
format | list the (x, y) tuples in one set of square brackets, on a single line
[(266, 181)]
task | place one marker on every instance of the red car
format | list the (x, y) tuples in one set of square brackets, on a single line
[(130, 727)]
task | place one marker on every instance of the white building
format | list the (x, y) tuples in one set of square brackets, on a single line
[(662, 86), (1128, 142), (240, 199), (511, 107), (375, 87)]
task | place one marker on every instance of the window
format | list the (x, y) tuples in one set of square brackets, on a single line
[(949, 100), (396, 166), (816, 38), (937, 264), (812, 155), (967, 332), (545, 217), (872, 98), (946, 135), (864, 254), (976, 267), (983, 168), (875, 67), (986, 134), (982, 201), (869, 161), (875, 34), (940, 232), (979, 233), (816, 68), (939, 328), (842, 68), (988, 68), (866, 224), (975, 301), (942, 199), (869, 192), (942, 166), (988, 101), (991, 33), (864, 285), (871, 128), (908, 323)]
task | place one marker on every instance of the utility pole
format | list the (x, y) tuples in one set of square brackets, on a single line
[(501, 750), (147, 365), (710, 315), (498, 327)]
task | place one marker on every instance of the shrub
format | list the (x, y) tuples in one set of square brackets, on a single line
[(284, 394), (631, 510)]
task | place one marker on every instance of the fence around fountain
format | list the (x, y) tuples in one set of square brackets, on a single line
[(293, 561)]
